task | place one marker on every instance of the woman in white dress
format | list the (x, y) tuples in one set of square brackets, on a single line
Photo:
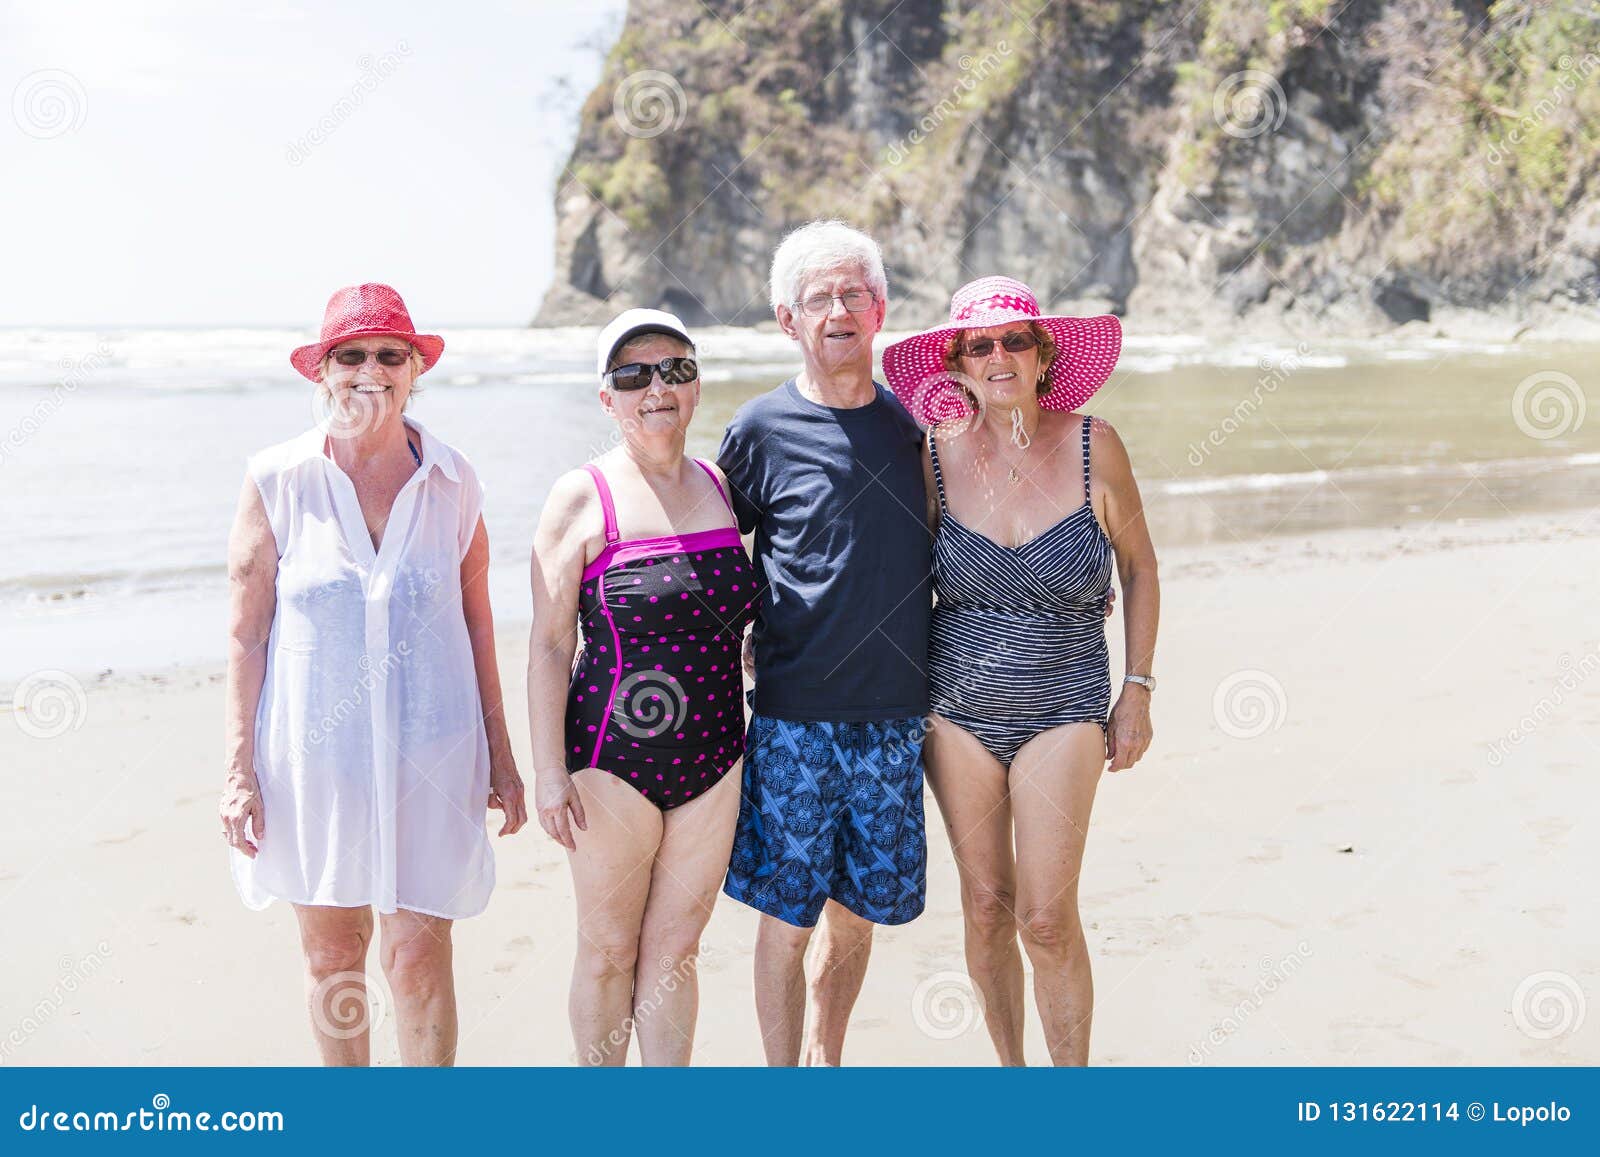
[(364, 724)]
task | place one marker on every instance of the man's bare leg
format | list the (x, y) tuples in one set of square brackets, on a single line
[(781, 989), (839, 966)]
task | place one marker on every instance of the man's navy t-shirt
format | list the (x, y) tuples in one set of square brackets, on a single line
[(837, 503)]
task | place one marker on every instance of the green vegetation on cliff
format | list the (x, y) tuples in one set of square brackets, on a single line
[(1288, 149)]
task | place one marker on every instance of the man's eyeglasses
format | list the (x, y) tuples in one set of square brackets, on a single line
[(856, 301), (386, 357), (1016, 342), (637, 375)]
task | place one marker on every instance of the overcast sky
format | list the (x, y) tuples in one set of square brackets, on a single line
[(175, 163)]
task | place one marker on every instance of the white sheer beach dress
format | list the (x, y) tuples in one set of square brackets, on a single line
[(370, 745)]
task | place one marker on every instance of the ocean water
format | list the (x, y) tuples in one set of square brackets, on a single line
[(122, 453)]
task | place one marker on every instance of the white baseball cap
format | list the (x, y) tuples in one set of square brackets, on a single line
[(630, 324)]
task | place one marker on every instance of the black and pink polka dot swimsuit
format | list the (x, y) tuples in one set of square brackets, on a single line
[(657, 697)]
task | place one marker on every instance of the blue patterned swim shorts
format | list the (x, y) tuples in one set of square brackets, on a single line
[(831, 811)]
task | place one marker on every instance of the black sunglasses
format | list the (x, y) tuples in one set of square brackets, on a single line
[(387, 357), (637, 375), (1015, 342)]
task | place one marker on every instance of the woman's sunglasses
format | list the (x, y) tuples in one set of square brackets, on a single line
[(637, 375), (1015, 342), (388, 357)]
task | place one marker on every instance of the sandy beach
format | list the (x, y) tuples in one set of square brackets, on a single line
[(1358, 839)]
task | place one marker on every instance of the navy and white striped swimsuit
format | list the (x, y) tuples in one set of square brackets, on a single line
[(1018, 642)]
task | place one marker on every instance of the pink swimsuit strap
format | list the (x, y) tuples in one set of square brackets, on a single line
[(666, 544), (606, 502)]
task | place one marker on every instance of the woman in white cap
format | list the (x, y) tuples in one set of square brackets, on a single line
[(364, 722), (637, 744), (1031, 502)]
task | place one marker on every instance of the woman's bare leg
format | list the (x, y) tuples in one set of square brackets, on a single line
[(690, 864), (971, 788), (1053, 781), (611, 878), (419, 966), (334, 942)]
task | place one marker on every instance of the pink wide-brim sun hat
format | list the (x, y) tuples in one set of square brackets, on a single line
[(1086, 351), (369, 310)]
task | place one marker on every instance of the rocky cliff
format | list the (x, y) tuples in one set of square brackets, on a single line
[(1319, 164)]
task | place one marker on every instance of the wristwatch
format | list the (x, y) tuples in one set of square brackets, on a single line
[(1148, 682)]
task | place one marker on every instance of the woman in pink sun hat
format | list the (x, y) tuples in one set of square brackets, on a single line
[(365, 730), (1031, 502)]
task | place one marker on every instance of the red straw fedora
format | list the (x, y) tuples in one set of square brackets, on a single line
[(365, 311), (1086, 351)]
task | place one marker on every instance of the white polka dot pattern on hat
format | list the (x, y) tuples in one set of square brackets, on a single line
[(1086, 351)]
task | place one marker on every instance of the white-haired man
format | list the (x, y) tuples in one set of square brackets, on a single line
[(826, 470)]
